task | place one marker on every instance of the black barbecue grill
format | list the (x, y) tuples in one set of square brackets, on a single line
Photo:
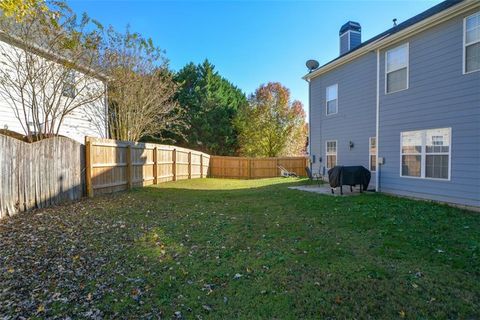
[(351, 176)]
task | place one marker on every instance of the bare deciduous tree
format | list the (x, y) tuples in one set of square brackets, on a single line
[(141, 88), (47, 68)]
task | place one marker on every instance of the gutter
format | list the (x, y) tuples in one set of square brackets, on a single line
[(389, 39)]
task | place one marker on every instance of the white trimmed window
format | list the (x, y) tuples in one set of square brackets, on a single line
[(372, 154), (426, 153), (471, 42), (396, 69), (332, 99), (331, 153), (69, 87)]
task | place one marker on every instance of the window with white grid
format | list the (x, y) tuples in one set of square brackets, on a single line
[(471, 41), (426, 153), (331, 153)]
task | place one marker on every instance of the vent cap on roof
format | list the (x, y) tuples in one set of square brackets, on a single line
[(350, 36)]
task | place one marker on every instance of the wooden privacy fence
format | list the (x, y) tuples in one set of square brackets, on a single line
[(113, 165), (50, 171), (254, 168), (39, 174)]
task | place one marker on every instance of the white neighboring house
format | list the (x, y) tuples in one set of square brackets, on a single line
[(87, 120)]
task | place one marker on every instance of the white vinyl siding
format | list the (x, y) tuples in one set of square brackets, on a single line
[(332, 99), (426, 154), (331, 153), (372, 154), (396, 69), (86, 120), (471, 42)]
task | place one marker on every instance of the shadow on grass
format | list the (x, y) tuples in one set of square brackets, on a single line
[(274, 252)]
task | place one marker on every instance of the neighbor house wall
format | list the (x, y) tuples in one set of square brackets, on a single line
[(88, 120), (355, 120), (439, 96)]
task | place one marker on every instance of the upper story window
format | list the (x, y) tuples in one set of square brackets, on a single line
[(331, 153), (471, 42), (426, 153), (396, 69), (68, 89), (332, 99)]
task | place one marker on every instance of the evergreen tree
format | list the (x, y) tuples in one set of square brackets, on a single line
[(211, 103)]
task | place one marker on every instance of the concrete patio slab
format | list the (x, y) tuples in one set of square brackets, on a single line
[(326, 190)]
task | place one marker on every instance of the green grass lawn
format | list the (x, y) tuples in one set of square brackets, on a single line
[(230, 249)]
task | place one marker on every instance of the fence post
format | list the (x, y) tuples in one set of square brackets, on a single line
[(307, 163), (209, 171), (276, 167), (155, 165), (249, 168), (88, 167), (190, 165), (129, 167), (201, 165), (174, 164)]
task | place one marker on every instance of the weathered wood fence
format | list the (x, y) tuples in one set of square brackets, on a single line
[(255, 168), (39, 174), (113, 165)]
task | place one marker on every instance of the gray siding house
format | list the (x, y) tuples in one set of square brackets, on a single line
[(405, 104)]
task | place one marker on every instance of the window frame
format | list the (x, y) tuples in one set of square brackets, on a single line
[(407, 45), (465, 45), (423, 155), (326, 100), (331, 154), (370, 154), (69, 85)]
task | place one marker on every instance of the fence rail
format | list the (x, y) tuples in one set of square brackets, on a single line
[(39, 174), (254, 168), (113, 165)]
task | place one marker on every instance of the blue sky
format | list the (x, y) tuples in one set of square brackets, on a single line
[(250, 42)]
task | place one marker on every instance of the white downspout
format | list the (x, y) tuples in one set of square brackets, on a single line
[(309, 119), (377, 122), (107, 122)]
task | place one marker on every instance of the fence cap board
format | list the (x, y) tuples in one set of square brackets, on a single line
[(261, 158), (141, 145), (43, 141)]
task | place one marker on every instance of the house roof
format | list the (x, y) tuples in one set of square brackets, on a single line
[(350, 25), (394, 30), (15, 41)]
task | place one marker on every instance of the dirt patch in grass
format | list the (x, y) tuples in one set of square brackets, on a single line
[(224, 249)]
